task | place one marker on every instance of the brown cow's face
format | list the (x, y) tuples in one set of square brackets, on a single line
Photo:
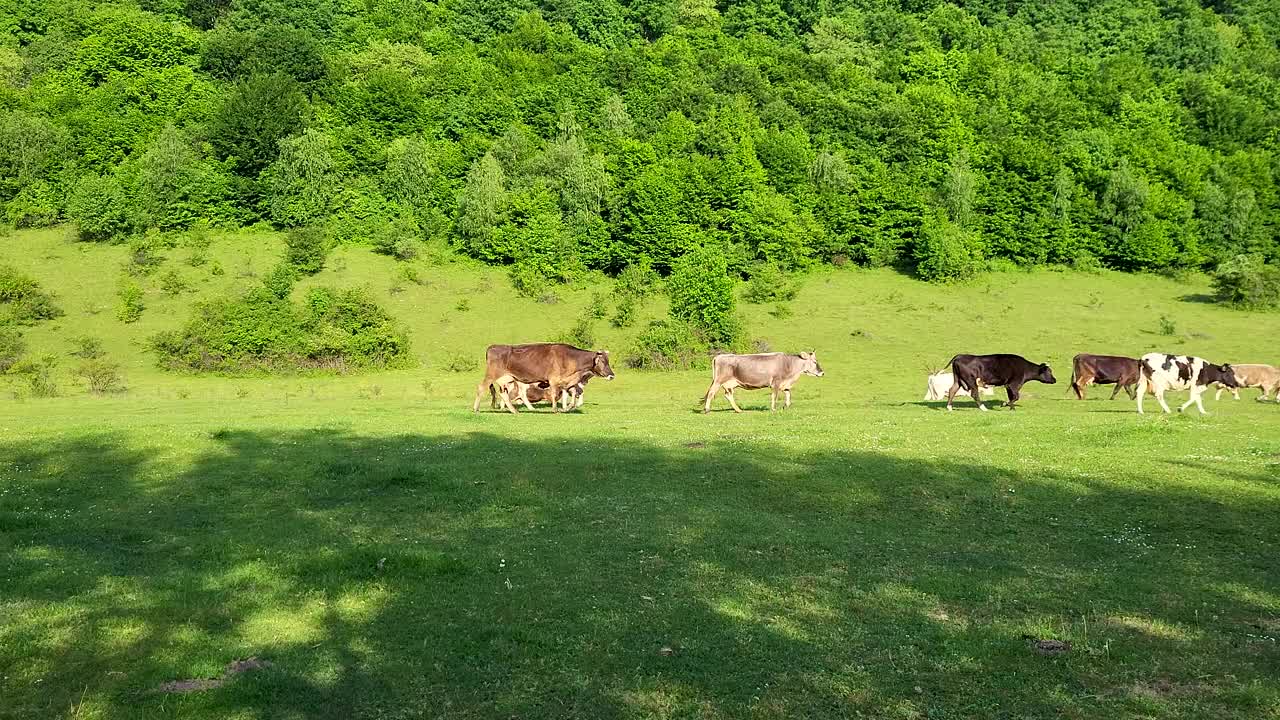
[(811, 366), (1046, 375), (601, 365)]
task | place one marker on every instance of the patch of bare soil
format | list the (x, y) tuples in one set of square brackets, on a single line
[(201, 684)]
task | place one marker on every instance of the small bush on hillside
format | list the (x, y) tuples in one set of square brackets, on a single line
[(98, 208), (668, 345), (769, 283), (624, 314), (129, 303), (398, 240), (464, 305), (87, 347), (280, 281), (22, 301), (598, 306), (701, 291), (1246, 281), (782, 311), (528, 280), (583, 332), (265, 330), (40, 377), (461, 362), (12, 348), (144, 259), (633, 285), (216, 269), (173, 284), (306, 249), (1167, 326), (102, 377), (198, 243)]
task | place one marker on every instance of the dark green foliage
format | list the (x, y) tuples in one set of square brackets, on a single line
[(306, 249), (670, 344), (1246, 281), (22, 301), (701, 291), (12, 347), (335, 330), (570, 134)]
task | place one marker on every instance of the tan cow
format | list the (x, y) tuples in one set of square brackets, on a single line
[(558, 364), (1266, 377), (776, 371)]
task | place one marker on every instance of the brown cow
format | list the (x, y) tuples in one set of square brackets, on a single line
[(1089, 369), (776, 371), (558, 364), (1266, 377)]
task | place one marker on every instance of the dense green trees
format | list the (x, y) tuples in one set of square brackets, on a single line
[(560, 135)]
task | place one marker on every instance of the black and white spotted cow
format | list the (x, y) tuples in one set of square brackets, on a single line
[(1162, 372)]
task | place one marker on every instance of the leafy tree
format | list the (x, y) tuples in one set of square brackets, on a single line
[(303, 180), (258, 112), (701, 291)]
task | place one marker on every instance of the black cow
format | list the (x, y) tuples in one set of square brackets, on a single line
[(1089, 370), (1011, 371)]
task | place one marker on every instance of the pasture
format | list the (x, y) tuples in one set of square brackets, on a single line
[(391, 554)]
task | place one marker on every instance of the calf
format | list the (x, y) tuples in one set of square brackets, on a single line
[(1011, 371), (776, 371), (557, 364), (533, 393), (1265, 377), (940, 382), (1089, 370), (1162, 372)]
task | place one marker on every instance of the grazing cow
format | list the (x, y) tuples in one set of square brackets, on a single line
[(1162, 372), (557, 364), (1266, 377), (533, 393), (940, 382), (776, 371), (1089, 370), (1011, 371)]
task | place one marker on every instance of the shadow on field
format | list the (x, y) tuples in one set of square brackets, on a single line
[(485, 576)]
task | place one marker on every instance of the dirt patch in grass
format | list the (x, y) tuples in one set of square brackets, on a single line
[(201, 684)]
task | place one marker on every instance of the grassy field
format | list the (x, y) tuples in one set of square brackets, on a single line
[(864, 554)]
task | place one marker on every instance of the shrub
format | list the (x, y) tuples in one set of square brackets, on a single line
[(87, 347), (1246, 281), (306, 249), (461, 362), (583, 332), (527, 280), (701, 291), (12, 348), (464, 305), (1167, 326), (280, 281), (144, 259), (398, 240), (624, 313), (636, 280), (22, 301), (946, 252), (102, 377), (671, 344), (782, 311), (173, 284), (40, 379), (130, 305), (265, 330), (98, 207), (198, 242), (769, 283), (598, 306)]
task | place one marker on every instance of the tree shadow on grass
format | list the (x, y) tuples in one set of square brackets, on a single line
[(484, 576)]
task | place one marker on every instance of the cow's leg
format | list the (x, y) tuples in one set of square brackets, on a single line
[(1160, 398), (1142, 390), (1235, 393), (1078, 385), (553, 393), (1012, 390), (977, 396), (773, 398), (729, 387), (1196, 393), (711, 394), (1128, 389), (955, 388), (787, 391), (486, 384)]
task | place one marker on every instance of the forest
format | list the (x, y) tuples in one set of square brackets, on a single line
[(564, 136)]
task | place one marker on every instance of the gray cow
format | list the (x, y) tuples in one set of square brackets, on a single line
[(776, 371)]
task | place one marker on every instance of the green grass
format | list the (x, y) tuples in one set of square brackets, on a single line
[(394, 555)]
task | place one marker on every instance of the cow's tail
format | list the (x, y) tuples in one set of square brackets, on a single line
[(951, 365)]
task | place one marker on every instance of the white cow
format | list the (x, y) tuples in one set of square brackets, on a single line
[(939, 384), (1162, 372)]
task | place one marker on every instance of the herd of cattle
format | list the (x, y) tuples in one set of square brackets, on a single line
[(558, 373)]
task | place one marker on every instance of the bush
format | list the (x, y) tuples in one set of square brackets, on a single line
[(398, 240), (102, 377), (527, 280), (173, 284), (307, 249), (946, 252), (87, 347), (40, 379), (668, 345), (461, 362), (130, 304), (144, 259), (583, 332), (22, 301), (701, 291), (625, 312), (99, 209), (1246, 281), (12, 348), (265, 330), (769, 283)]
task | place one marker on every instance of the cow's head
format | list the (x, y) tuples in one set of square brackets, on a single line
[(1222, 374), (1045, 375), (601, 365), (811, 366)]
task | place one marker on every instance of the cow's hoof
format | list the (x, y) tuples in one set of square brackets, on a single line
[(983, 408)]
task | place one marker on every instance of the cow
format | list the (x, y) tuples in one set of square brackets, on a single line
[(1163, 372), (1087, 369), (776, 371), (558, 364), (940, 382), (1011, 371), (1266, 377), (532, 393)]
